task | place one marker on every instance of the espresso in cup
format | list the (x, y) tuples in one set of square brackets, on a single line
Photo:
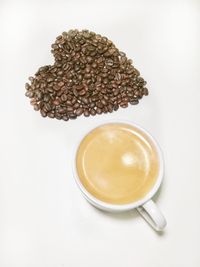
[(117, 163)]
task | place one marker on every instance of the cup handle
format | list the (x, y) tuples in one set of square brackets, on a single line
[(151, 213)]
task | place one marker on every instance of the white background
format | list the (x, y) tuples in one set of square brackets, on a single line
[(44, 220)]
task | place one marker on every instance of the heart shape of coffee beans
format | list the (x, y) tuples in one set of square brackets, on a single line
[(89, 76)]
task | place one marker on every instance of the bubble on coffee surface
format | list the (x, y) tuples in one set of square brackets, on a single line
[(89, 76)]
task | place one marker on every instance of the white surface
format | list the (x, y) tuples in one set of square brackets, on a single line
[(44, 220)]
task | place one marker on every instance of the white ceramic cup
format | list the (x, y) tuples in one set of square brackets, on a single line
[(146, 206)]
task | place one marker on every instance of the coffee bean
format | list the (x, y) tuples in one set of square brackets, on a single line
[(68, 102), (99, 110), (87, 76), (86, 113), (73, 101), (43, 113), (79, 111), (115, 107), (31, 79), (30, 94), (134, 102), (72, 116), (51, 115), (36, 107), (91, 48), (103, 102), (62, 110), (116, 92), (27, 86), (46, 98), (80, 77), (65, 118), (76, 105), (50, 79), (38, 95), (75, 92), (145, 91), (106, 97), (95, 98), (85, 100), (109, 62), (89, 59), (110, 108), (69, 108), (93, 112), (47, 106), (82, 92), (94, 65), (124, 104), (58, 116), (64, 97), (56, 87), (92, 104), (56, 102)]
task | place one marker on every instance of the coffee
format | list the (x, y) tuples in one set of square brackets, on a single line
[(117, 163)]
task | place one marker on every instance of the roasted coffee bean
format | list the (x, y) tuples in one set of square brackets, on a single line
[(56, 87), (106, 97), (103, 102), (92, 104), (110, 108), (82, 92), (68, 102), (99, 104), (36, 107), (124, 104), (73, 101), (46, 98), (63, 97), (27, 86), (93, 112), (80, 77), (58, 116), (38, 95), (145, 91), (43, 113), (72, 116), (76, 105), (50, 79), (89, 59), (51, 115), (79, 111), (134, 102), (99, 110), (116, 92), (86, 113), (85, 100), (70, 108), (89, 76), (30, 94), (56, 102), (94, 65), (62, 110), (65, 118), (48, 107), (75, 92), (115, 107)]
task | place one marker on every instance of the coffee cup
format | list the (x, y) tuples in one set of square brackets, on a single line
[(118, 166)]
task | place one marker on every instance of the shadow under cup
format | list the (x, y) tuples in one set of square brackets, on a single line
[(118, 166)]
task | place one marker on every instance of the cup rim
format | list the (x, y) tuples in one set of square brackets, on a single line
[(119, 207)]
